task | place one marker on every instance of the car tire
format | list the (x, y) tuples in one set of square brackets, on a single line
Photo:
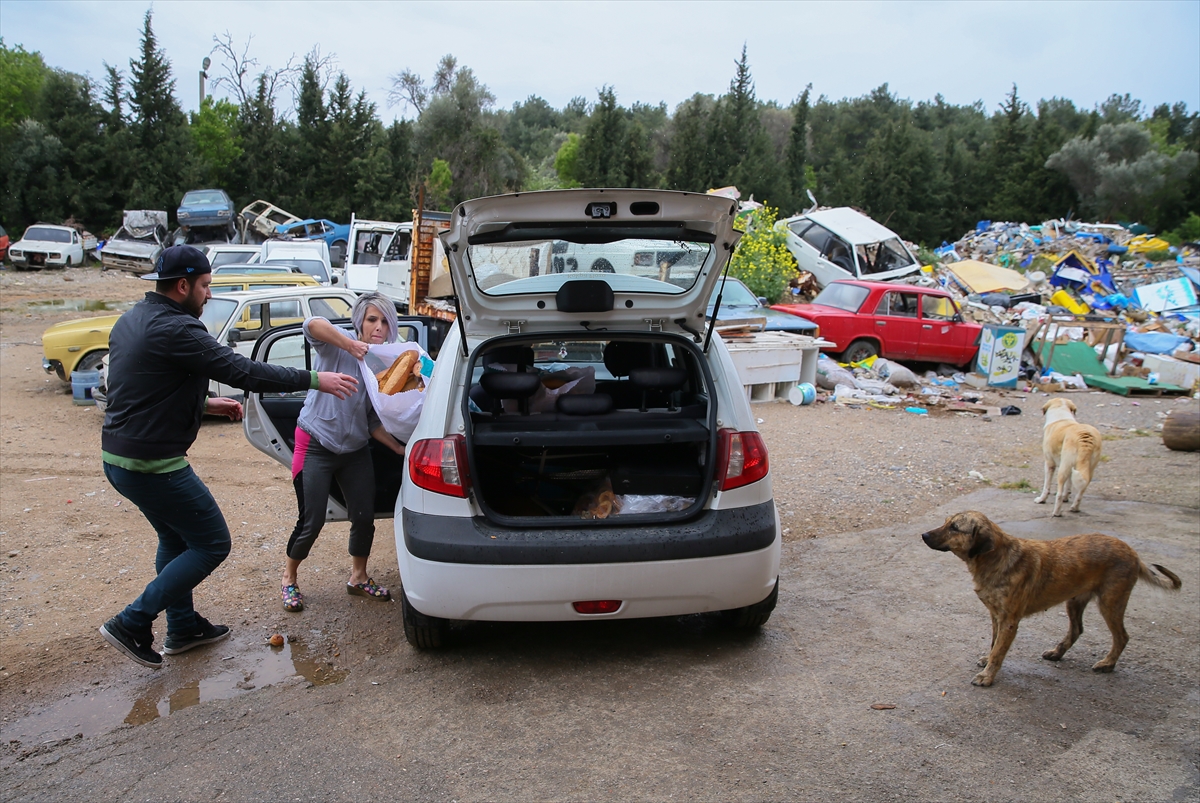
[(423, 632), (753, 616), (860, 350), (91, 361)]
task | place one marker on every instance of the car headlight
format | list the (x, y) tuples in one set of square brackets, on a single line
[(223, 213), (14, 252), (55, 255)]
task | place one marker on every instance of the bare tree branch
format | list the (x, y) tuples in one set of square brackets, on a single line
[(408, 88)]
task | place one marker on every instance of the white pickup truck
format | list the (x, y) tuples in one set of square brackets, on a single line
[(379, 258)]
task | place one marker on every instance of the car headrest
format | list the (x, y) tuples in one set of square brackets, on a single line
[(658, 378), (507, 385), (622, 356), (590, 404)]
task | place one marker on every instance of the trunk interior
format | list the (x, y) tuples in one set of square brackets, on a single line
[(597, 429)]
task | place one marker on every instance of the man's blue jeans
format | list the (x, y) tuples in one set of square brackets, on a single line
[(193, 539)]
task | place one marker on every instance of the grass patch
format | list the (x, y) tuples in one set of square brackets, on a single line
[(1019, 485)]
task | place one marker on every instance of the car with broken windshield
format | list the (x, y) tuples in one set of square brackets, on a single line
[(896, 321), (843, 243), (584, 450)]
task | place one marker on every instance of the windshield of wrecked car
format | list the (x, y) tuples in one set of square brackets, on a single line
[(735, 294), (842, 296), (203, 197), (313, 267), (227, 258), (216, 314), (884, 256), (630, 265), (47, 235)]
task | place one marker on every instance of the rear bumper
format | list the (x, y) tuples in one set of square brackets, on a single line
[(452, 539), (715, 577)]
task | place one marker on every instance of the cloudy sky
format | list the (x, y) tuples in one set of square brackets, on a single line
[(661, 51)]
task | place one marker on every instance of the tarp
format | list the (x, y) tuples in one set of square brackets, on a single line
[(1080, 273), (980, 277)]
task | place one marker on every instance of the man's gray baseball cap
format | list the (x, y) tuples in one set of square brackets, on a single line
[(179, 262)]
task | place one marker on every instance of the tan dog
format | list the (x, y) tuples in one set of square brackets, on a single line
[(1017, 577), (1072, 448)]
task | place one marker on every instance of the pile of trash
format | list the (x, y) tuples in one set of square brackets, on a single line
[(884, 384), (1121, 289)]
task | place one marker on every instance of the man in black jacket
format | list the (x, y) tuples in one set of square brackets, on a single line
[(161, 358)]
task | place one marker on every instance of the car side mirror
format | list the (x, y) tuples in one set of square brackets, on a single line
[(958, 318), (333, 279), (762, 301), (235, 336)]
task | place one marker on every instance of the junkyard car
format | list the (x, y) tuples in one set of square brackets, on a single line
[(137, 244), (3, 244), (47, 246), (335, 235), (255, 268), (841, 243), (738, 303), (228, 253), (896, 321), (80, 345), (311, 256), (583, 451), (260, 219), (206, 216)]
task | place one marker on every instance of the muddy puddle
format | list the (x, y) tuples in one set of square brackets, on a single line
[(75, 305), (217, 673)]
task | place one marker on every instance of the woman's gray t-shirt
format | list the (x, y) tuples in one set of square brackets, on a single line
[(340, 425)]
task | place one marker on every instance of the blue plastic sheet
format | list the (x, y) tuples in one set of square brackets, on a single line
[(1153, 342)]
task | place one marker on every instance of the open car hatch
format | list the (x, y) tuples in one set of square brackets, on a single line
[(615, 259)]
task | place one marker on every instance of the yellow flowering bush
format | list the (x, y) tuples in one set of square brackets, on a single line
[(762, 260)]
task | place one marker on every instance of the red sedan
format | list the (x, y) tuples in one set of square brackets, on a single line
[(896, 321)]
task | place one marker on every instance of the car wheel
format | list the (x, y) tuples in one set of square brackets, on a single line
[(753, 616), (68, 262), (91, 361), (860, 350), (423, 632), (337, 254)]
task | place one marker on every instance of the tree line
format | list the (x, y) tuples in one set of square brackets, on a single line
[(302, 138)]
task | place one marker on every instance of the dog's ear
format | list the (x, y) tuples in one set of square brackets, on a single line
[(980, 543), (1046, 406), (981, 537), (1071, 406)]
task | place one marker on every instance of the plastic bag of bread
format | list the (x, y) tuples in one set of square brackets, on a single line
[(394, 376)]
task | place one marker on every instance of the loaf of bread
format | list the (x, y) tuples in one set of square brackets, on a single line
[(403, 375)]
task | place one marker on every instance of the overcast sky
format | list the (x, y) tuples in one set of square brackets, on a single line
[(661, 51)]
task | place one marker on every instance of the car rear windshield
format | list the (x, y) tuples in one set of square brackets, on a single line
[(734, 294), (227, 258), (47, 235), (313, 267), (842, 296), (203, 197), (628, 265)]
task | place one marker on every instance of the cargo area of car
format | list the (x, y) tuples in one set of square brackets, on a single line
[(590, 429)]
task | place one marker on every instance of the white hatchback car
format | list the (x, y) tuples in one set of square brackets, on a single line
[(842, 243), (47, 246), (585, 449)]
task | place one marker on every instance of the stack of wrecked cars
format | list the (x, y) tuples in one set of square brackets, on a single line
[(136, 245)]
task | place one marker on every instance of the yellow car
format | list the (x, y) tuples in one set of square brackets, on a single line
[(80, 345)]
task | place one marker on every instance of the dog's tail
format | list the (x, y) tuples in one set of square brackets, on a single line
[(1172, 583)]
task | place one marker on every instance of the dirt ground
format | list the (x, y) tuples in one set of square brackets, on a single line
[(73, 552)]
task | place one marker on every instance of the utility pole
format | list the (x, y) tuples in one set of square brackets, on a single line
[(204, 65)]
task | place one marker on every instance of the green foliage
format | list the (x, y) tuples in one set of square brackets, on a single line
[(439, 185), (218, 145), (1188, 231), (566, 161), (762, 260), (21, 76)]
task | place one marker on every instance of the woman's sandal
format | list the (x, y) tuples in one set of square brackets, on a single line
[(369, 589), (293, 600)]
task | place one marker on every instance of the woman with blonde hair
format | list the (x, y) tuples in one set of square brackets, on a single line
[(332, 437)]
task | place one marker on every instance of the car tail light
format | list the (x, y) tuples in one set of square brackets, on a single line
[(741, 458), (440, 465), (597, 606)]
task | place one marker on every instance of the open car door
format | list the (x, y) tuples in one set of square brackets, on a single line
[(270, 418)]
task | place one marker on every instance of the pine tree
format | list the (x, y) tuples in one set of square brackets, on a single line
[(688, 163), (161, 145), (601, 151), (796, 157)]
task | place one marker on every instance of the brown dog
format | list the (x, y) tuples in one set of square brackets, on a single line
[(1016, 577), (1072, 448)]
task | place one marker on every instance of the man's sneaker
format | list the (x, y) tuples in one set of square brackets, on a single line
[(206, 633), (134, 645)]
